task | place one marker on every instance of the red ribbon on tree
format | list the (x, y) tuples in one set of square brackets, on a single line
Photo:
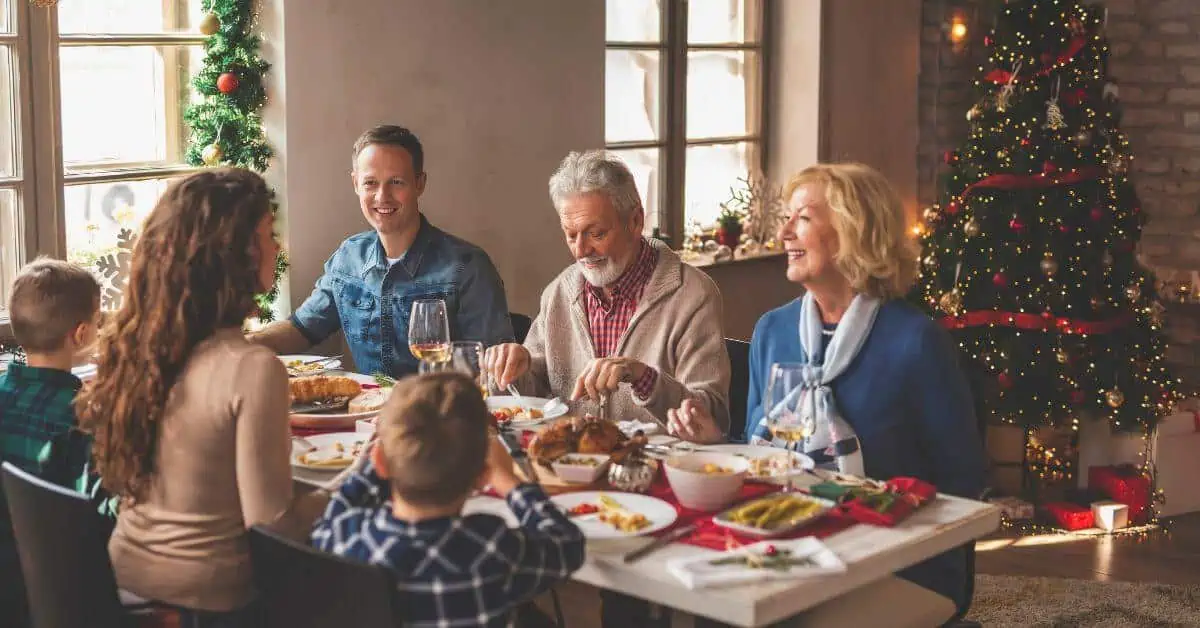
[(1001, 77), (1035, 322), (1031, 181)]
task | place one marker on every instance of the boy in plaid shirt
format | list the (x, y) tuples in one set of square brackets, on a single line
[(403, 510), (54, 309)]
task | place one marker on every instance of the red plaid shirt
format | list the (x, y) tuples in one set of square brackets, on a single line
[(608, 319)]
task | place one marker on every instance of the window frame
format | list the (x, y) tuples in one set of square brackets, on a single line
[(673, 142), (42, 179)]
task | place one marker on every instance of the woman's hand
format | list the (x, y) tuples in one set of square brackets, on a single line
[(692, 422)]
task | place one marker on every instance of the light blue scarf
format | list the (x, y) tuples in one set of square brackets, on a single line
[(815, 396)]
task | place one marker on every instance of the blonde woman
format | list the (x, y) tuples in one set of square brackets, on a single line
[(881, 364)]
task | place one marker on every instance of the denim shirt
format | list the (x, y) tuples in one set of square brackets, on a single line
[(370, 301)]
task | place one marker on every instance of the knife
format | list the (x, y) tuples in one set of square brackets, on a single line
[(511, 442), (659, 543)]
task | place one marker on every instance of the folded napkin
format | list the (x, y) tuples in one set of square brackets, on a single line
[(629, 428), (760, 562)]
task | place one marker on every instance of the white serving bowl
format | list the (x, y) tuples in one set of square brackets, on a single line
[(698, 490), (580, 473)]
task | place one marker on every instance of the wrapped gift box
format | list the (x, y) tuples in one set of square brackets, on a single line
[(1110, 515), (1014, 508), (1177, 462), (1070, 516), (1124, 484)]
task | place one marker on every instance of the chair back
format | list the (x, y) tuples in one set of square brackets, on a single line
[(302, 587), (739, 387), (62, 543), (521, 325)]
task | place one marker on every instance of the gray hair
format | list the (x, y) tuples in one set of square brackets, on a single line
[(595, 171)]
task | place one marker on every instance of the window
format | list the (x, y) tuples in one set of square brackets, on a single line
[(109, 82), (683, 102)]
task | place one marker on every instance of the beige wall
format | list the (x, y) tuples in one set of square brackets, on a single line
[(498, 92)]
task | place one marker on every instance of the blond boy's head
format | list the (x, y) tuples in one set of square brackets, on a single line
[(433, 438), (54, 306)]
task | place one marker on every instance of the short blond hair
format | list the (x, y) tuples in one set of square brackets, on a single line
[(434, 434), (875, 251)]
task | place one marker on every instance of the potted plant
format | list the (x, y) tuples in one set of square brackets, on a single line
[(729, 226)]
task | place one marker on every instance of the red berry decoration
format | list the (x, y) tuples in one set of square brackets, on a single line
[(1000, 280), (227, 83), (770, 550), (1096, 214), (1049, 168)]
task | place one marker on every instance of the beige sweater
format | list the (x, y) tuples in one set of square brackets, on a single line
[(676, 329), (223, 465)]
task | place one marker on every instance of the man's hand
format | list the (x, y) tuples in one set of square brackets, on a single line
[(506, 362), (499, 470), (280, 337), (603, 376), (692, 422)]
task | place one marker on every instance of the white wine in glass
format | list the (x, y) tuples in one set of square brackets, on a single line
[(429, 333), (781, 407), (432, 352)]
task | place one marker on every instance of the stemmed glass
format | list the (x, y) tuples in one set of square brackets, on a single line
[(782, 414), (429, 334), (466, 357)]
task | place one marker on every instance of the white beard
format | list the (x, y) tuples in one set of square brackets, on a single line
[(607, 273)]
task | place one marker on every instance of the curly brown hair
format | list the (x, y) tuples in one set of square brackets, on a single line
[(194, 270)]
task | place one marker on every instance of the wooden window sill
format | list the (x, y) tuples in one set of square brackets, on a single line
[(706, 260)]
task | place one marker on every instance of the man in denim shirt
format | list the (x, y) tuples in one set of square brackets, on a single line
[(373, 278)]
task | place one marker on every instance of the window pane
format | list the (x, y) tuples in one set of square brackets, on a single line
[(711, 171), (723, 21), (633, 20), (123, 105), (632, 81), (8, 126), (95, 217), (128, 16), (6, 21), (10, 243), (734, 76), (644, 164)]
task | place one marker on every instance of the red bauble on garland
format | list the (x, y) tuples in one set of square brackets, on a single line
[(1000, 280), (227, 83)]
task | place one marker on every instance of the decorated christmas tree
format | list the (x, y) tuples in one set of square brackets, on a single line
[(1030, 254)]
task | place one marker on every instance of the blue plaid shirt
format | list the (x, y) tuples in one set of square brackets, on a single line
[(454, 571)]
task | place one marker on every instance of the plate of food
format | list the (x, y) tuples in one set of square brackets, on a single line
[(767, 464), (615, 515), (299, 365), (333, 400), (774, 514), (331, 452), (508, 410)]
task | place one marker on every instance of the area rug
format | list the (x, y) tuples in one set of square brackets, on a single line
[(1025, 602)]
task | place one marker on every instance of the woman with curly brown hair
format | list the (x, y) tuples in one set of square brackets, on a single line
[(189, 419)]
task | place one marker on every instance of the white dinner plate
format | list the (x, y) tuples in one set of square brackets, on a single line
[(660, 513), (302, 357), (800, 461), (537, 403), (484, 504), (334, 419), (325, 444)]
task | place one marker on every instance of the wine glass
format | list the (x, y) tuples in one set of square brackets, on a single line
[(466, 357), (781, 409), (429, 334)]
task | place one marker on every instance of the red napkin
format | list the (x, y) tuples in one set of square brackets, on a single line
[(911, 495)]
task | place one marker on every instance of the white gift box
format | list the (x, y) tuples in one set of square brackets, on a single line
[(1177, 460), (1110, 515)]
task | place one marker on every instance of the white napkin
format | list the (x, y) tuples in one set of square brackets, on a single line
[(697, 572), (629, 428)]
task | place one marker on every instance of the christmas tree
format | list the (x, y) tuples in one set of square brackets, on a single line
[(1029, 257)]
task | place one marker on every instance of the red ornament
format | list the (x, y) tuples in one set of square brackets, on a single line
[(1005, 380), (952, 208), (1075, 97), (1025, 141), (1077, 396), (987, 40), (1048, 167), (950, 157), (1000, 280), (1064, 229), (227, 83), (1096, 214), (1016, 224)]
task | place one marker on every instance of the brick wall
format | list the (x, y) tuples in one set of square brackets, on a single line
[(1155, 59)]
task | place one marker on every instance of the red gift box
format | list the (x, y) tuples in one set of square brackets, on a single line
[(911, 495), (1126, 485), (1070, 516)]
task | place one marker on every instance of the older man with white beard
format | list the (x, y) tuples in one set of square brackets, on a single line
[(628, 320)]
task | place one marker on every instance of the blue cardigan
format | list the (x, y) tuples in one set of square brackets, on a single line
[(910, 404)]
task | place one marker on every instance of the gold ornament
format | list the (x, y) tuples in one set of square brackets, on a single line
[(1134, 292), (1082, 139), (212, 154), (951, 302), (1117, 164), (1061, 355), (1002, 154), (971, 228), (930, 261), (974, 112), (210, 24), (930, 214), (1049, 265), (1115, 397)]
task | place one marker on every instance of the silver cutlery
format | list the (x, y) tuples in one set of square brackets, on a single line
[(659, 543)]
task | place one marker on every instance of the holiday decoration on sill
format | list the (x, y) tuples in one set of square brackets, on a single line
[(729, 226), (761, 207), (1034, 271)]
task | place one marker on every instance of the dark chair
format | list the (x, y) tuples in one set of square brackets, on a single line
[(303, 587), (520, 325), (739, 387), (63, 547)]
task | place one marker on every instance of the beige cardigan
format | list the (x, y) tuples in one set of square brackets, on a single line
[(223, 465), (676, 329)]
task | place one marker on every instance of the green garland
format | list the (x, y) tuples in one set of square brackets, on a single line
[(226, 125)]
